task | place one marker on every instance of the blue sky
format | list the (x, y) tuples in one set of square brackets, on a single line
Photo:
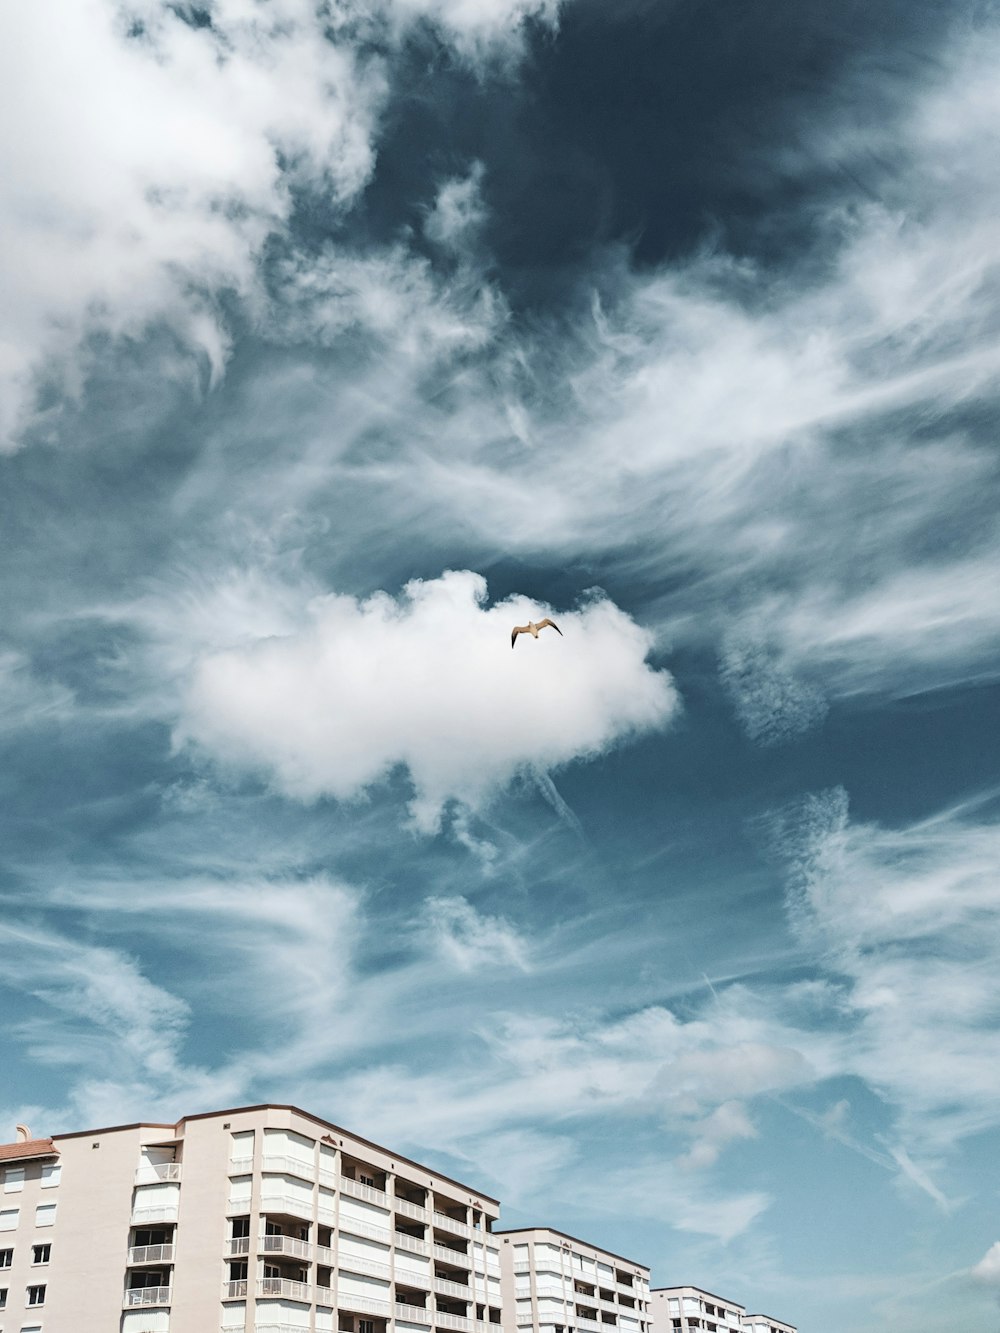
[(337, 338)]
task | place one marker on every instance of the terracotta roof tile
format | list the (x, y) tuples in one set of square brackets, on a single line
[(33, 1148)]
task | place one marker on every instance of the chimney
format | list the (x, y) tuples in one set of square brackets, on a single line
[(23, 1133)]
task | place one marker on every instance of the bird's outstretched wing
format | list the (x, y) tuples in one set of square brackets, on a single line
[(547, 621), (518, 629)]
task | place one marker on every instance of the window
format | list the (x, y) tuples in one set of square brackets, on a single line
[(13, 1180), (8, 1219), (367, 1180), (36, 1295), (366, 1326), (6, 1258), (40, 1254), (237, 1270), (3, 1298), (45, 1214), (240, 1227), (50, 1175)]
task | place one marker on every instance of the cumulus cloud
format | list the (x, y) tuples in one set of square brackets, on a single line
[(428, 682), (115, 221), (156, 157)]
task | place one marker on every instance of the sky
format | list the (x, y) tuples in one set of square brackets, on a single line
[(337, 337)]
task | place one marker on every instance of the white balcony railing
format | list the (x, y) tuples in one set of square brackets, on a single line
[(324, 1256), (522, 1266), (240, 1166), (367, 1192), (407, 1209), (161, 1212), (449, 1256), (150, 1173), (238, 1245), (351, 1263), (414, 1277), (234, 1291), (527, 1318), (289, 1166), (286, 1203), (349, 1227), (283, 1286), (362, 1304), (443, 1320), (580, 1321), (413, 1314), (146, 1296), (447, 1223), (150, 1254), (550, 1291), (290, 1245), (447, 1288), (411, 1243)]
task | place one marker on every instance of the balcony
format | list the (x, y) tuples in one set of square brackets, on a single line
[(349, 1263), (290, 1245), (283, 1286), (551, 1292), (442, 1320), (522, 1266), (151, 1173), (161, 1212), (362, 1304), (240, 1166), (411, 1243), (447, 1223), (150, 1254), (146, 1296), (410, 1277), (450, 1256), (581, 1322), (237, 1245), (367, 1192), (290, 1166), (349, 1227), (291, 1204), (234, 1291), (446, 1288), (414, 1314), (407, 1209)]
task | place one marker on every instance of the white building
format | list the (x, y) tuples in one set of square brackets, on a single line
[(557, 1284), (256, 1220)]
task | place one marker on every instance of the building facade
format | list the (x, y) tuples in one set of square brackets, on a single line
[(554, 1283), (694, 1310), (256, 1220)]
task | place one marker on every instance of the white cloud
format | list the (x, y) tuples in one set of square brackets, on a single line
[(154, 159), (458, 210), (987, 1270), (906, 923), (771, 704), (470, 940), (430, 683), (144, 175)]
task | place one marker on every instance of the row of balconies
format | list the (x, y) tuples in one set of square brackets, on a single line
[(306, 1292), (294, 1166), (303, 1249)]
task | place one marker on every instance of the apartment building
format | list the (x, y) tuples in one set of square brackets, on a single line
[(261, 1219), (765, 1323), (690, 1309), (557, 1284)]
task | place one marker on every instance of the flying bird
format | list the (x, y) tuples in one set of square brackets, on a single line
[(532, 628)]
